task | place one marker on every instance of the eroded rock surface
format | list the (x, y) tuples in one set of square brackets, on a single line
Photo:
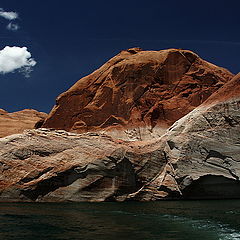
[(137, 94), (45, 165), (17, 122), (202, 151), (198, 158)]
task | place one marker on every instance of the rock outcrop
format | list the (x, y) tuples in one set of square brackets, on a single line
[(17, 122), (193, 106), (202, 151), (137, 94), (197, 158), (45, 165)]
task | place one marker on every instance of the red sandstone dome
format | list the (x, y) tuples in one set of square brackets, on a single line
[(137, 90)]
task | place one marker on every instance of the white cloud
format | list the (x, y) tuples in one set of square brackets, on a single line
[(16, 58), (13, 26), (8, 15)]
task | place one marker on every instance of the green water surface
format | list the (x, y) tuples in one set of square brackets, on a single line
[(167, 220)]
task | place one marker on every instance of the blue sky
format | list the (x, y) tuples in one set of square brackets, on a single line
[(70, 39)]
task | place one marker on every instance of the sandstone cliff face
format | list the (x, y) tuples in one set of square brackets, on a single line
[(198, 157), (17, 122), (137, 94)]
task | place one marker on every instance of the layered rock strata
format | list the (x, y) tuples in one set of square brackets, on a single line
[(45, 165), (197, 158), (202, 151), (188, 150)]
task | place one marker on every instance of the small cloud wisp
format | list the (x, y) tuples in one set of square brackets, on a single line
[(12, 26), (16, 58), (8, 15)]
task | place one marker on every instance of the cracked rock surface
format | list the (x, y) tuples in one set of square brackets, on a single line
[(202, 151), (137, 94), (197, 158), (46, 165)]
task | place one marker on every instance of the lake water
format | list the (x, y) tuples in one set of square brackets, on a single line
[(167, 220)]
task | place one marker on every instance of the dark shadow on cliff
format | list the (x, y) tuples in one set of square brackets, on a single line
[(212, 187)]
